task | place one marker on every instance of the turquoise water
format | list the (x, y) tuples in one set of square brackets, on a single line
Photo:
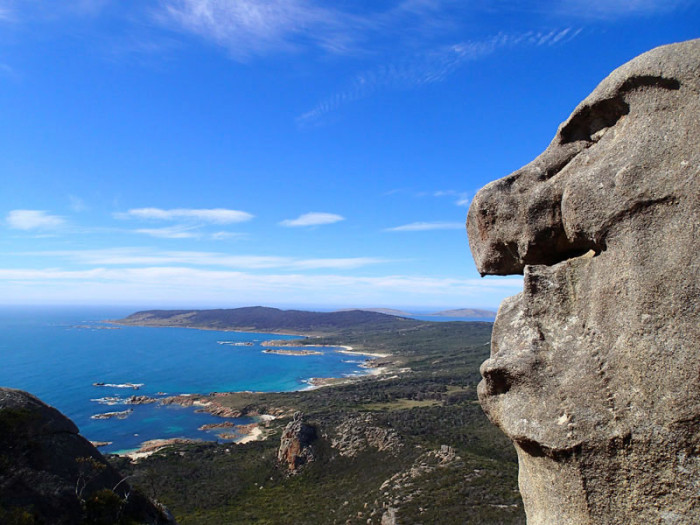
[(58, 353)]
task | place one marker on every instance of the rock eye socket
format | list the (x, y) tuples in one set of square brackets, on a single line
[(589, 120)]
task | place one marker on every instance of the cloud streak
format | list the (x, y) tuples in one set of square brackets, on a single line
[(427, 226), (211, 215), (170, 232), (137, 256), (33, 220), (428, 68), (312, 219)]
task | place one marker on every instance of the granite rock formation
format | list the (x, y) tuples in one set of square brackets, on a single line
[(595, 367), (296, 444), (50, 474), (358, 433)]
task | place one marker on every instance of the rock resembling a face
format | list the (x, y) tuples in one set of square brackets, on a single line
[(602, 346)]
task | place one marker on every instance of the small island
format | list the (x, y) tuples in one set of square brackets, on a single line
[(113, 415), (134, 386), (282, 351)]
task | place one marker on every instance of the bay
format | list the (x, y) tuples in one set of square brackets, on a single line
[(58, 354)]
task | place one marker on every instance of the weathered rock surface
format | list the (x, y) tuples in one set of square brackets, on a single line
[(595, 367), (296, 444), (50, 474)]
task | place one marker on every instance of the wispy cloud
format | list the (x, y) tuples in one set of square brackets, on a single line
[(256, 27), (312, 219), (169, 232), (426, 226), (462, 198), (212, 215), (33, 220), (428, 67), (140, 256), (186, 232)]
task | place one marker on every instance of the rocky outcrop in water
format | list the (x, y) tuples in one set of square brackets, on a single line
[(296, 444), (595, 369), (50, 474)]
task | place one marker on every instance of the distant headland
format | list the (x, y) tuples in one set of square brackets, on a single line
[(292, 322)]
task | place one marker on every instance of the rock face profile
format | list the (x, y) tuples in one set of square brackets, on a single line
[(595, 367), (50, 474)]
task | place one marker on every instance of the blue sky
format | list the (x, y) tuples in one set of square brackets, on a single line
[(195, 153)]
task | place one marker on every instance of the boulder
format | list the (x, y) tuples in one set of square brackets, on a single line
[(51, 474), (595, 367)]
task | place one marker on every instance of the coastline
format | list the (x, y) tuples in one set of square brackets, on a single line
[(208, 328), (208, 403)]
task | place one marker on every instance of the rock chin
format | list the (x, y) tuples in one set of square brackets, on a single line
[(594, 366)]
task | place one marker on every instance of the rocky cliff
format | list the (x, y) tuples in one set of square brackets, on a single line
[(50, 474), (595, 369)]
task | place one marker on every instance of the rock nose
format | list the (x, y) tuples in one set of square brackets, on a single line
[(517, 220)]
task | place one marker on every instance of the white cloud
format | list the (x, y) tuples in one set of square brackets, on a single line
[(170, 232), (172, 284), (212, 215), (427, 226), (139, 256), (313, 219), (33, 220)]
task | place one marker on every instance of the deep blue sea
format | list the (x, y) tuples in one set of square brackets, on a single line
[(58, 353)]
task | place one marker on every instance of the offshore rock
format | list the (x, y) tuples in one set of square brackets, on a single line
[(295, 446), (595, 367), (50, 474)]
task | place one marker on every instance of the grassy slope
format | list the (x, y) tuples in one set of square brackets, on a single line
[(433, 405)]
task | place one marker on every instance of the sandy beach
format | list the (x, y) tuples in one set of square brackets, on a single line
[(254, 434)]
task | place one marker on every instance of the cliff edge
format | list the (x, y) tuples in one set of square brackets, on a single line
[(595, 370)]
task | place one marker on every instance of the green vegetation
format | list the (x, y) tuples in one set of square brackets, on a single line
[(451, 465), (399, 404)]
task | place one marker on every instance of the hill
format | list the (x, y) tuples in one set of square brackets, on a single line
[(271, 320), (466, 312)]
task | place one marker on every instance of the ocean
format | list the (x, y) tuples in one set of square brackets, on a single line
[(58, 354)]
